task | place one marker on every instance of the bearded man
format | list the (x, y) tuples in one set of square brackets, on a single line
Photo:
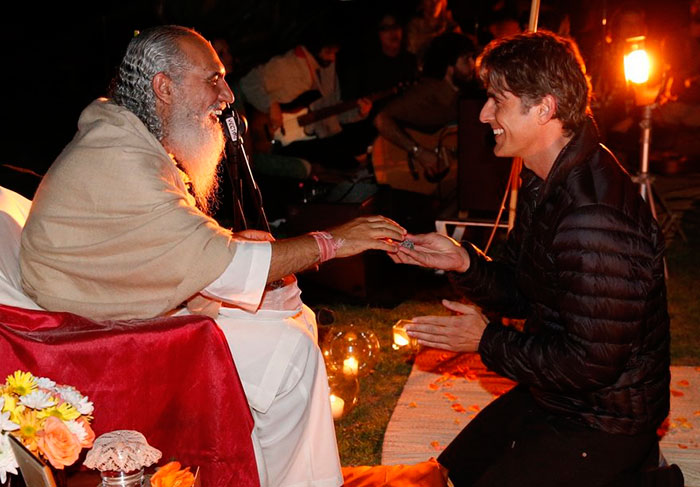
[(119, 230)]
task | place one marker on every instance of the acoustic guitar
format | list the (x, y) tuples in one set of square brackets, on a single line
[(396, 168), (297, 117)]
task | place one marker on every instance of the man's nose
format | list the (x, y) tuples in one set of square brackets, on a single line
[(486, 114), (225, 93)]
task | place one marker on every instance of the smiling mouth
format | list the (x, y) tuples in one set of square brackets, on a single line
[(498, 131)]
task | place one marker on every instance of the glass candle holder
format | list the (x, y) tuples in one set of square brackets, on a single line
[(401, 338), (343, 394), (350, 350)]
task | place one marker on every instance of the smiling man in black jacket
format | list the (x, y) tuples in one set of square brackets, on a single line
[(584, 268)]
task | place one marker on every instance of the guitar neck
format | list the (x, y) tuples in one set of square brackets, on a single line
[(325, 112)]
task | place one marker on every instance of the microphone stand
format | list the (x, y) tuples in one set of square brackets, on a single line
[(240, 172)]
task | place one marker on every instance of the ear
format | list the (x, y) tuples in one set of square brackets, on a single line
[(163, 87), (547, 108)]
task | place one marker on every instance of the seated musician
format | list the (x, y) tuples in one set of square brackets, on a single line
[(304, 79), (416, 152), (431, 103)]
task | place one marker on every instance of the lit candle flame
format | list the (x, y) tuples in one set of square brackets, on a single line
[(400, 338), (350, 366)]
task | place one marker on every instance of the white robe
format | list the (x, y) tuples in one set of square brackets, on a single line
[(282, 372)]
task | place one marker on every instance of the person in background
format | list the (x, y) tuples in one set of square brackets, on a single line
[(434, 18), (305, 78)]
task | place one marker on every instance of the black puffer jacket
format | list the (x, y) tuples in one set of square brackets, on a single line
[(584, 267)]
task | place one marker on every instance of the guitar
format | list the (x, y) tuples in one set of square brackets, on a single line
[(297, 116), (395, 167)]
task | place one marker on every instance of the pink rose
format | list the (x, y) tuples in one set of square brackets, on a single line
[(58, 444)]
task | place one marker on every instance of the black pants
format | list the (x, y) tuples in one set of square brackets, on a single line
[(514, 442)]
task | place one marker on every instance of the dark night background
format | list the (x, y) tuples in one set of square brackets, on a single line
[(59, 57)]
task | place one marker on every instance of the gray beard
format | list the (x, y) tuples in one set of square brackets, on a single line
[(198, 145)]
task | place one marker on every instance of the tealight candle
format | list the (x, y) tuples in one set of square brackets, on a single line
[(337, 406), (401, 337), (350, 366)]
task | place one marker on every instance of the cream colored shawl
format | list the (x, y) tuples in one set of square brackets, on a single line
[(113, 233)]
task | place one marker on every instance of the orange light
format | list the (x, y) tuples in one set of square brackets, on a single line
[(637, 61)]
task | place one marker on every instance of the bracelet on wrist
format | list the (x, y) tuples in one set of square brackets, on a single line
[(327, 245)]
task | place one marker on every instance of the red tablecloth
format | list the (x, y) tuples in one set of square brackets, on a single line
[(172, 379)]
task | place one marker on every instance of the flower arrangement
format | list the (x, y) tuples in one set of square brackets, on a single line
[(170, 475), (52, 421)]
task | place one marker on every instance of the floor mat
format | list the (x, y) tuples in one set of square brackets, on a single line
[(445, 390)]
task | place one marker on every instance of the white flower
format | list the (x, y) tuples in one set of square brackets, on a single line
[(84, 406), (44, 383), (77, 429), (2, 403), (75, 399), (6, 424), (8, 464), (37, 400)]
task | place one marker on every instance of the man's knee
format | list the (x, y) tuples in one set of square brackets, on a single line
[(304, 363)]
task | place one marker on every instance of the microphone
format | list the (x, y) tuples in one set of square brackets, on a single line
[(235, 124)]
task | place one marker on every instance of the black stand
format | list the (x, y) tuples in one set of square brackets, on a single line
[(241, 175), (667, 220)]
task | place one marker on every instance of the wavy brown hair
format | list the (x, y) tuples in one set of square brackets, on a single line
[(535, 64)]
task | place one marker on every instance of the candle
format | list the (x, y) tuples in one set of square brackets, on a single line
[(350, 366), (400, 337), (337, 406)]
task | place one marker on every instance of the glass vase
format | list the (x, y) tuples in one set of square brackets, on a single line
[(111, 478)]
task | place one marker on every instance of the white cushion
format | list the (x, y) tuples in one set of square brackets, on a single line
[(14, 209)]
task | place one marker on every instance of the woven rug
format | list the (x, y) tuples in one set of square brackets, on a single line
[(445, 391)]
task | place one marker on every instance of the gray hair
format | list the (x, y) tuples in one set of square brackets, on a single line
[(150, 52)]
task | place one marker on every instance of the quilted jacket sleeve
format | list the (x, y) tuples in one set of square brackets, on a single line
[(604, 276)]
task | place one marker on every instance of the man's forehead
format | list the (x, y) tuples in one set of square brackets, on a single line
[(201, 54)]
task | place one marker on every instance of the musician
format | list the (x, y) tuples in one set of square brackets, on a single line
[(292, 78), (431, 103)]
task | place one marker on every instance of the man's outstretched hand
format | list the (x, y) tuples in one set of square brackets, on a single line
[(457, 333), (433, 250)]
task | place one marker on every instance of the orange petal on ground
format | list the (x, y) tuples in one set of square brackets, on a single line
[(475, 408), (433, 387), (696, 413), (458, 407), (450, 397), (435, 444), (683, 383), (412, 405), (675, 393), (682, 446)]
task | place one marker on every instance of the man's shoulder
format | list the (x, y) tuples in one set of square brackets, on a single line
[(111, 145), (600, 182)]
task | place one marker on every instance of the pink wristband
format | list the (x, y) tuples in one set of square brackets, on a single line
[(327, 245)]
